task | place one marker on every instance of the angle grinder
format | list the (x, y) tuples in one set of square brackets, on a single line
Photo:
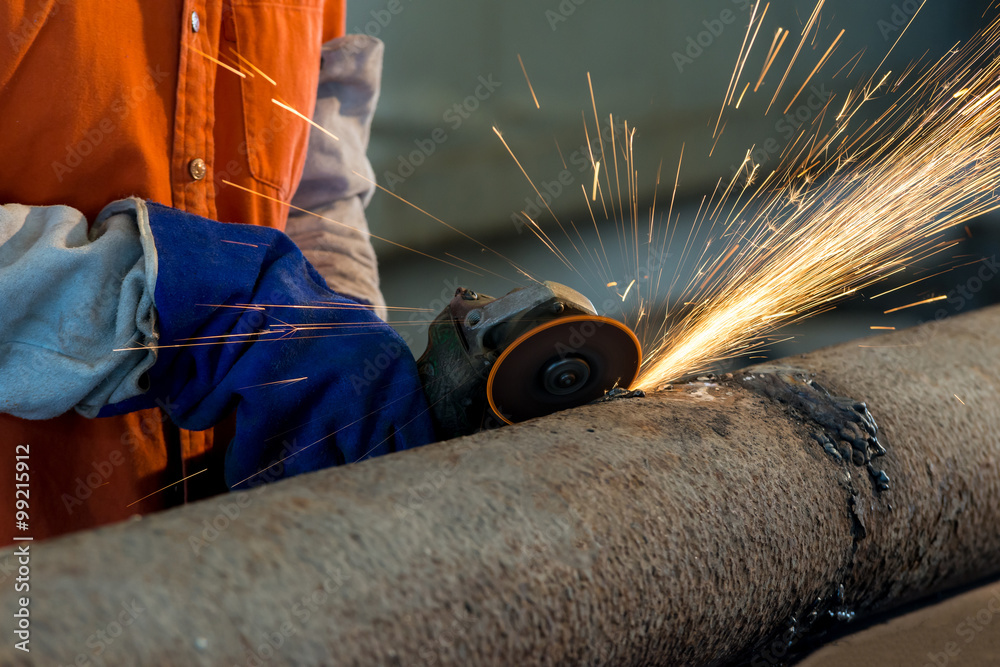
[(538, 349)]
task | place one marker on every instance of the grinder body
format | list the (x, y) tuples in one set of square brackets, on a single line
[(492, 361)]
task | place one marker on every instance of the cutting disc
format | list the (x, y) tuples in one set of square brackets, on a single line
[(563, 363)]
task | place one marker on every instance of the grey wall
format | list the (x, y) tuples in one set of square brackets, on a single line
[(438, 52)]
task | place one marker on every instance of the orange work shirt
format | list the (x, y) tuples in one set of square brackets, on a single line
[(103, 100)]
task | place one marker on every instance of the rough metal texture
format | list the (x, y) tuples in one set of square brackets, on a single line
[(689, 527)]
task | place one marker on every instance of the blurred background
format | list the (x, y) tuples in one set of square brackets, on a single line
[(452, 74)]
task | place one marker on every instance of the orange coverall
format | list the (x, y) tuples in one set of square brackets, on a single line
[(102, 100)]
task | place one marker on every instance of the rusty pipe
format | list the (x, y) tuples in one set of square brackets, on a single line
[(696, 526)]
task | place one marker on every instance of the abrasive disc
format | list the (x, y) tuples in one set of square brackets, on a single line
[(563, 363)]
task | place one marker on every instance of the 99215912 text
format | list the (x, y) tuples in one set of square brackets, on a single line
[(22, 582)]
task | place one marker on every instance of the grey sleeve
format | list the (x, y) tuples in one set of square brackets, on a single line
[(69, 298), (348, 91)]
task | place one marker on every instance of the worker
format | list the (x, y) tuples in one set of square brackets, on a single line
[(131, 319)]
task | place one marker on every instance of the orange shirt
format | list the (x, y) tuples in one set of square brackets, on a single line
[(102, 100)]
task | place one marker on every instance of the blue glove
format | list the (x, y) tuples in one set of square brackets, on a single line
[(228, 339)]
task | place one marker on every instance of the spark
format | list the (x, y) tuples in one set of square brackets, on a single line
[(342, 224), (776, 316), (805, 36), (322, 305), (918, 303), (285, 332), (779, 39), (183, 479), (346, 426), (815, 231), (959, 400), (874, 328), (600, 138), (545, 201), (559, 150), (275, 382), (914, 282), (306, 118), (748, 42), (530, 87), (280, 103), (450, 227), (253, 67), (627, 289), (739, 101), (819, 65), (900, 37), (252, 245), (220, 64)]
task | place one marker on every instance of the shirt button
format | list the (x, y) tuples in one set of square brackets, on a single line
[(195, 22), (197, 168)]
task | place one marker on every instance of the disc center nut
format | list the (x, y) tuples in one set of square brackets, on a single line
[(565, 376)]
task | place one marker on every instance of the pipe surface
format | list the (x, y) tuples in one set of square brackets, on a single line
[(699, 525)]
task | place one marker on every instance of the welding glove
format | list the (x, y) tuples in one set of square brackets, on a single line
[(242, 321)]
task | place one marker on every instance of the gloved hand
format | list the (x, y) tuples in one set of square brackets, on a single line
[(245, 322)]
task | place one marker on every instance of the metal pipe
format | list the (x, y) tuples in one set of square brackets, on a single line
[(694, 526)]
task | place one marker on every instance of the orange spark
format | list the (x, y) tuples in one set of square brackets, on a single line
[(918, 303), (530, 87), (276, 382), (306, 119), (220, 64), (166, 487)]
